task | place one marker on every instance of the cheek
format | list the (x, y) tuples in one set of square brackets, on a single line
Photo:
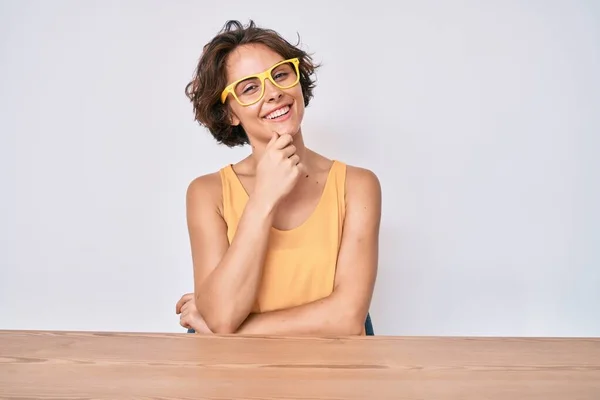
[(298, 94), (300, 102), (245, 115)]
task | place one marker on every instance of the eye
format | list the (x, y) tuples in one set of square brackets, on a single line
[(250, 88), (280, 75)]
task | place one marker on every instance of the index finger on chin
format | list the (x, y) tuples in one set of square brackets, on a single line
[(283, 141)]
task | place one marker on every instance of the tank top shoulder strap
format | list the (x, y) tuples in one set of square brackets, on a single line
[(338, 175), (234, 198)]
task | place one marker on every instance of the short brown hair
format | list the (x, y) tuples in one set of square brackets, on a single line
[(210, 77)]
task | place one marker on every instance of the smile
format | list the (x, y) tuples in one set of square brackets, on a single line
[(280, 112)]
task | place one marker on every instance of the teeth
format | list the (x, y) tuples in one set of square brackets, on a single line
[(278, 113)]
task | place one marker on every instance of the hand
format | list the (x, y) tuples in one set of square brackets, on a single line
[(190, 317), (278, 170)]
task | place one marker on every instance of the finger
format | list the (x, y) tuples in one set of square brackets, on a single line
[(180, 303), (184, 299), (283, 141), (186, 307), (289, 150), (184, 322), (295, 159), (274, 138)]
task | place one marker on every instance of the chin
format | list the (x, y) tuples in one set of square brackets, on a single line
[(290, 127), (292, 130)]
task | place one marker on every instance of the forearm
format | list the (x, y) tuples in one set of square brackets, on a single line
[(330, 316), (227, 295)]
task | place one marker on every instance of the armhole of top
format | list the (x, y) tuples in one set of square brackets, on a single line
[(344, 190), (341, 184), (224, 194)]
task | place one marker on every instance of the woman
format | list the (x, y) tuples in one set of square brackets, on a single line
[(285, 242)]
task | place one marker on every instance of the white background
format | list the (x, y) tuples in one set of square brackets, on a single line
[(481, 119)]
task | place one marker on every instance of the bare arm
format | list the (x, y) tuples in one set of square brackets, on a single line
[(345, 310), (227, 278)]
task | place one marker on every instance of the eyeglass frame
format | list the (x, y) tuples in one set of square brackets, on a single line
[(262, 76)]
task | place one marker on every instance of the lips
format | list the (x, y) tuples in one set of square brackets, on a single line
[(278, 112)]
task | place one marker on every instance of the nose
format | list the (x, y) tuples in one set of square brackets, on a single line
[(272, 92)]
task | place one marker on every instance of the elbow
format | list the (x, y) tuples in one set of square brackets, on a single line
[(221, 326), (220, 321), (350, 319), (348, 327), (354, 327), (354, 324)]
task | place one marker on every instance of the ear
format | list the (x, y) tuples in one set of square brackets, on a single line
[(233, 119)]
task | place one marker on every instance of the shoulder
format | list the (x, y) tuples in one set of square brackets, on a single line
[(363, 205), (208, 182), (204, 192), (362, 185)]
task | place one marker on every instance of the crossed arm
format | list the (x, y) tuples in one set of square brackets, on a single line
[(227, 295)]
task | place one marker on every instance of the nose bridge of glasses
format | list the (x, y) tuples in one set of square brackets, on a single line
[(270, 89)]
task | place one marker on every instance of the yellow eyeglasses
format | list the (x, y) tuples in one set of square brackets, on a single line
[(251, 89)]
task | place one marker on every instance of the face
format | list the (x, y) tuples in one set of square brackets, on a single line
[(279, 110)]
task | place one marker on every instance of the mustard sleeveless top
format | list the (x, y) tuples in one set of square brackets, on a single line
[(300, 263)]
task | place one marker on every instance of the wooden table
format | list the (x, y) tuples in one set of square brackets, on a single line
[(78, 365)]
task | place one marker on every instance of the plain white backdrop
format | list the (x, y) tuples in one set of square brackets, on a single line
[(481, 119)]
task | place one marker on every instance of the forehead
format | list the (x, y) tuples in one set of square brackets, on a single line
[(250, 59)]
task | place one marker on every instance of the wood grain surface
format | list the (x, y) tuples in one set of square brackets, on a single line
[(96, 365)]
